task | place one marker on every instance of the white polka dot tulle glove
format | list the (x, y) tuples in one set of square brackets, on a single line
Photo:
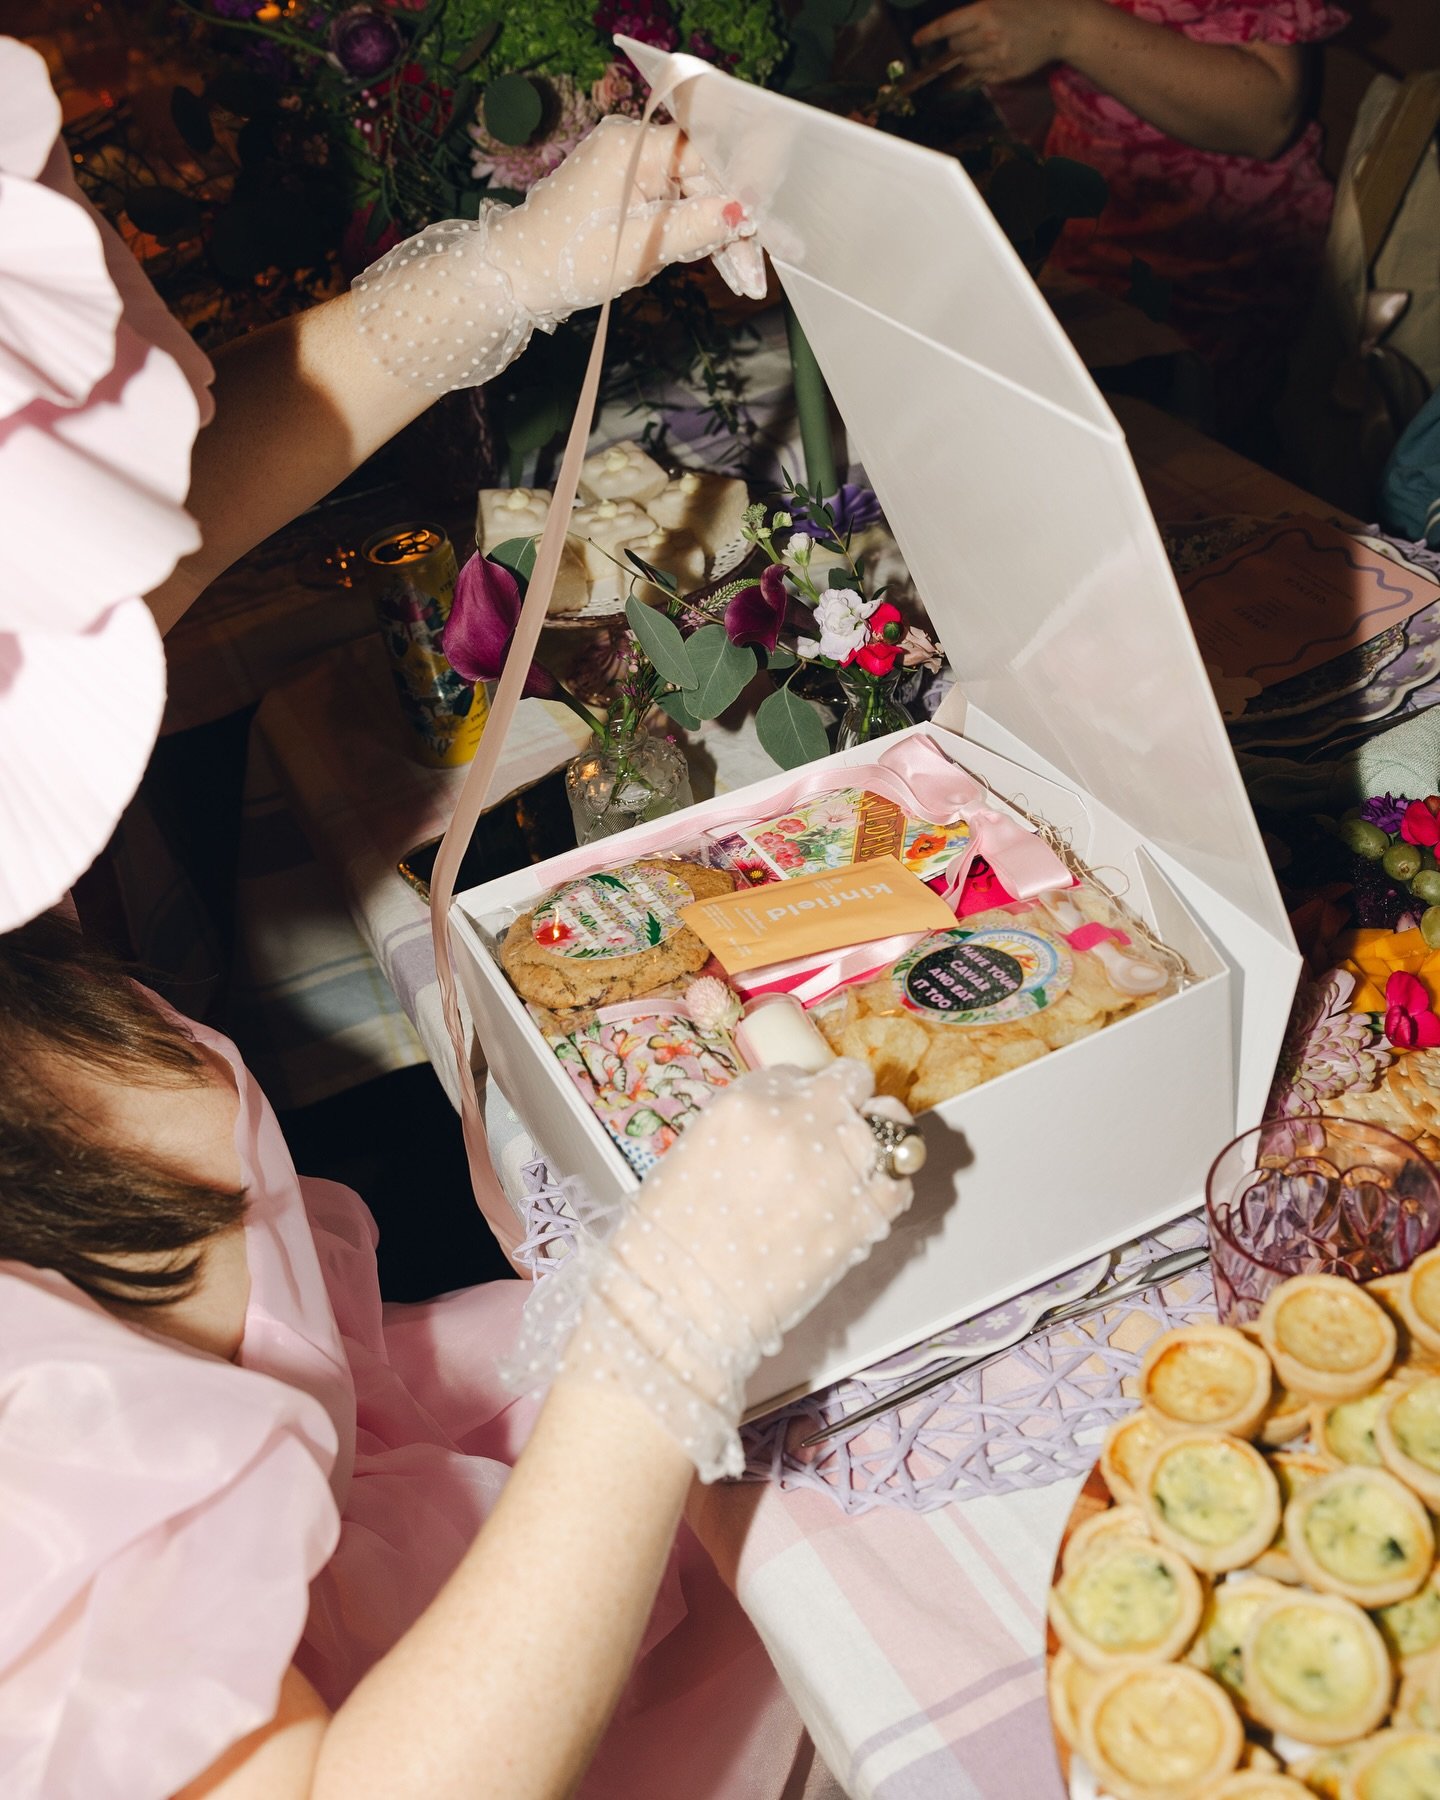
[(752, 1217), (455, 304)]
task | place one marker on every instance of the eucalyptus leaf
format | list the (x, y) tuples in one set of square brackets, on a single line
[(192, 120), (518, 556), (659, 637), (674, 705), (778, 659), (722, 670), (658, 576), (513, 108), (840, 578), (789, 729)]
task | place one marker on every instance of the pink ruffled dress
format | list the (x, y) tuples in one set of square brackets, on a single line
[(1238, 239), (176, 1529)]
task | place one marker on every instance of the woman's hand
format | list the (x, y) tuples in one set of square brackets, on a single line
[(753, 1216), (559, 248), (1005, 40)]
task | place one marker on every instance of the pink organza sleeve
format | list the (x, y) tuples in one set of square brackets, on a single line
[(1259, 21), (162, 1514)]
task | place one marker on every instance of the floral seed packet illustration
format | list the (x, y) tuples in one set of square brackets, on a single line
[(833, 831), (645, 1070)]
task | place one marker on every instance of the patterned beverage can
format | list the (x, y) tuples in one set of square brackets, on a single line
[(411, 574)]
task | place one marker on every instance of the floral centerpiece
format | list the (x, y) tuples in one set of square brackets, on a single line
[(692, 655)]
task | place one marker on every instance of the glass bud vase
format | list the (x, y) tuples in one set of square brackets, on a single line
[(872, 709), (619, 782)]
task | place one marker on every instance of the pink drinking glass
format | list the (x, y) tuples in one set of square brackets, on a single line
[(1314, 1196)]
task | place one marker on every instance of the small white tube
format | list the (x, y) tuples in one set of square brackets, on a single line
[(777, 1029)]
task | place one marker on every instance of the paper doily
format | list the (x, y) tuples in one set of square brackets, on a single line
[(1032, 1416)]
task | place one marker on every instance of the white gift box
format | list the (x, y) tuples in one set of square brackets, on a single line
[(1008, 485)]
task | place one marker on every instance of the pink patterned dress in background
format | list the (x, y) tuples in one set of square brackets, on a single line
[(1239, 240)]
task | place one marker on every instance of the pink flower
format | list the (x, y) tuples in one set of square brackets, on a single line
[(919, 651), (877, 658), (570, 115), (1410, 1022), (1420, 825), (619, 91), (482, 623), (884, 615)]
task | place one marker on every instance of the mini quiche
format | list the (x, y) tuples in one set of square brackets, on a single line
[(1287, 1419), (1259, 1784), (1327, 1337), (1361, 1534), (1161, 1733), (1418, 1703), (1294, 1470), (1395, 1765), (1213, 1498), (1128, 1601), (1223, 1624), (1069, 1685), (1315, 1667), (1323, 1774), (1129, 1521), (1345, 1429), (1206, 1377), (1127, 1449), (1412, 1627), (1407, 1432), (1417, 1299)]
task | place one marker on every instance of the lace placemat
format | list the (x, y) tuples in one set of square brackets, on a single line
[(1032, 1415)]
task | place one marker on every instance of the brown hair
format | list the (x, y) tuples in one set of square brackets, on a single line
[(67, 1201)]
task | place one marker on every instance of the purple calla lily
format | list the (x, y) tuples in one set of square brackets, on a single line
[(482, 624), (757, 613)]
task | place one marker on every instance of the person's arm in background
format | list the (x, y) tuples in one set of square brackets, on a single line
[(1237, 99), (301, 403)]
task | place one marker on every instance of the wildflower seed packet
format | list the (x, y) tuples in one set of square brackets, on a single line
[(645, 1069), (834, 831)]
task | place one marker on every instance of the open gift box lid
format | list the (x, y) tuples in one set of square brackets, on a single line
[(1007, 483)]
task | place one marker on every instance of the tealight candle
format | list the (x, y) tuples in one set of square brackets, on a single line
[(777, 1029)]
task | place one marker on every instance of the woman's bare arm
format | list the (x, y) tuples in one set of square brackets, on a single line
[(298, 405), (1238, 99)]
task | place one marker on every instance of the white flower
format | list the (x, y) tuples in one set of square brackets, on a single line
[(712, 1005), (781, 522), (798, 549), (807, 649), (841, 615)]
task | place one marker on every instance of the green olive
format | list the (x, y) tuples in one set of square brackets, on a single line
[(1430, 926), (1401, 861), (1426, 886), (1364, 838)]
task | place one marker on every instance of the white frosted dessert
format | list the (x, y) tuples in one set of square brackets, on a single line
[(675, 553), (710, 507), (605, 530), (623, 472), (503, 514)]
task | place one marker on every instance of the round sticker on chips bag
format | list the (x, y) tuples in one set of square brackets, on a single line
[(619, 913), (983, 977)]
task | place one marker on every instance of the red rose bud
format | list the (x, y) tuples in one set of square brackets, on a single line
[(877, 658), (884, 616)]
